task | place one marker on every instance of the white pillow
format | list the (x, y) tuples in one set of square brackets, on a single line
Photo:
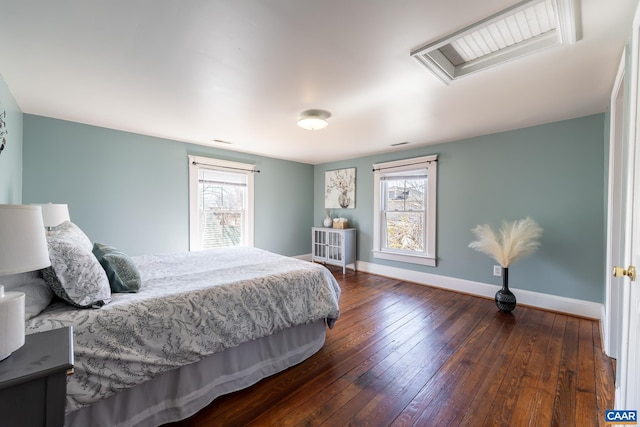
[(37, 297), (14, 280), (38, 294)]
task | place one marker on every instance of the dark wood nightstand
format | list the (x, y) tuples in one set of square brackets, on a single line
[(33, 380)]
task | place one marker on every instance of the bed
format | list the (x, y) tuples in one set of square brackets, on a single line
[(199, 325)]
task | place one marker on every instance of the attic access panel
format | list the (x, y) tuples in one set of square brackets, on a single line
[(519, 30)]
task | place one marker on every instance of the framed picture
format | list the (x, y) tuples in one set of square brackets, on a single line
[(340, 189)]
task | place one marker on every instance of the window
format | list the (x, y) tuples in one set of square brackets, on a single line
[(405, 210), (220, 203)]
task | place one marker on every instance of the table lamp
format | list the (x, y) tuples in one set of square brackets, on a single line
[(23, 248), (54, 214)]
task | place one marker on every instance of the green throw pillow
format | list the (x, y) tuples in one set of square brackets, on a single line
[(121, 271)]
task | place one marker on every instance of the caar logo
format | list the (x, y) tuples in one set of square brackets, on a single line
[(621, 417)]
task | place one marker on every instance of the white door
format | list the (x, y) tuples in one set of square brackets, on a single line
[(631, 329), (628, 392), (617, 244)]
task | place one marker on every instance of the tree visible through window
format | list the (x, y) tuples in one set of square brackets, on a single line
[(405, 210), (221, 206), (405, 213), (220, 203)]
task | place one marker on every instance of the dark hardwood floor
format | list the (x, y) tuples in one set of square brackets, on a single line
[(404, 354)]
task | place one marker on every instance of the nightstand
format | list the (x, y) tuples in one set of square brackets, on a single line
[(33, 380)]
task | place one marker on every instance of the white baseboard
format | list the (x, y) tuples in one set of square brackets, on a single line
[(589, 309), (576, 307)]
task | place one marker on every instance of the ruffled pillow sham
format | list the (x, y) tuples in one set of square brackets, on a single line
[(75, 274)]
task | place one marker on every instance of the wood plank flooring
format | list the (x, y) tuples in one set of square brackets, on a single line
[(404, 354)]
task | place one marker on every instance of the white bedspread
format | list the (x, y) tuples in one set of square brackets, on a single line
[(190, 305)]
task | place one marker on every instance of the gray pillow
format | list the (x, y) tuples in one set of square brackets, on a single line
[(121, 271)]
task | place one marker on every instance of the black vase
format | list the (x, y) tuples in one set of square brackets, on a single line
[(505, 299)]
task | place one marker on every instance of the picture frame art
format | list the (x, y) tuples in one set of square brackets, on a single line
[(340, 189)]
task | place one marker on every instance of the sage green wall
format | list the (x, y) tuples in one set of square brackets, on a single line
[(553, 173), (11, 156), (131, 190)]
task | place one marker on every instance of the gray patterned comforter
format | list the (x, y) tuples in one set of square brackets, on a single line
[(189, 306)]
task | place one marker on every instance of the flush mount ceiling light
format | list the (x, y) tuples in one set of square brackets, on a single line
[(314, 119), (521, 29)]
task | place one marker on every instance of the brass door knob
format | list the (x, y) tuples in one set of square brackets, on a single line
[(630, 272)]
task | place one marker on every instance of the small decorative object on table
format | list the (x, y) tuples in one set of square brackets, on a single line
[(328, 221), (516, 240), (341, 223)]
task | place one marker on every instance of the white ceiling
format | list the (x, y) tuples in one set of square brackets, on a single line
[(242, 71)]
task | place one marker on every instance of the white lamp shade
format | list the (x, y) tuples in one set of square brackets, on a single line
[(54, 214), (23, 243)]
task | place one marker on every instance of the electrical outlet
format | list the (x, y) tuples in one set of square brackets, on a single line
[(497, 270)]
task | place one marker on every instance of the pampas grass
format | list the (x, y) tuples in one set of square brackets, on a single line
[(515, 240)]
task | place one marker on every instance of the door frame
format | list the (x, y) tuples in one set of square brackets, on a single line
[(627, 389)]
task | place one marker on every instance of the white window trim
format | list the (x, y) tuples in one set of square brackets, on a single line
[(194, 223), (431, 164)]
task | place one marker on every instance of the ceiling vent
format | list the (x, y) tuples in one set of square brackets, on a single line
[(521, 29)]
